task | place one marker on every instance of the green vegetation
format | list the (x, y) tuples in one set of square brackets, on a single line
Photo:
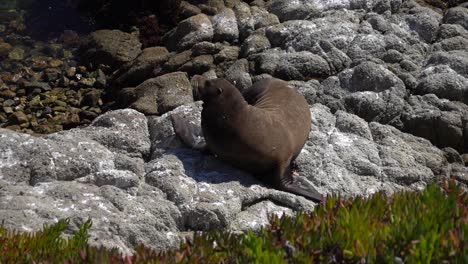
[(426, 227)]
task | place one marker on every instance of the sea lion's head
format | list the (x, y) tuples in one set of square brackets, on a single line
[(210, 90)]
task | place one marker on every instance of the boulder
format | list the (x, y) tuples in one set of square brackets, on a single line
[(110, 47)]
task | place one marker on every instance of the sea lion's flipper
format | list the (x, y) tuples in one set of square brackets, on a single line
[(302, 187), (285, 181), (190, 133)]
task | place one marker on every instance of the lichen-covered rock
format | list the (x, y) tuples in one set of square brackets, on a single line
[(338, 28), (238, 74), (292, 66), (350, 156), (225, 26), (457, 15), (443, 82), (255, 43), (111, 47), (245, 21)]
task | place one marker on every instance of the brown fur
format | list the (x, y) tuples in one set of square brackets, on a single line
[(261, 131)]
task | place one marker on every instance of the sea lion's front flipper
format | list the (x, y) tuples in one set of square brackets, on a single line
[(190, 133), (300, 186), (285, 181)]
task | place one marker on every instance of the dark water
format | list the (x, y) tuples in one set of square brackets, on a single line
[(46, 19)]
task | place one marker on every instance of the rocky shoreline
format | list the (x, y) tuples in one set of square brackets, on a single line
[(386, 80)]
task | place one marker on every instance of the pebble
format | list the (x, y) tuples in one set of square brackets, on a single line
[(55, 63), (5, 48), (16, 54)]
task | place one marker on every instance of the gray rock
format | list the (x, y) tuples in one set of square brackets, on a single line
[(122, 131), (457, 60), (161, 94), (255, 43), (292, 66), (338, 28), (205, 48), (452, 30), (352, 157), (291, 10), (369, 76), (187, 10), (446, 84), (442, 122), (262, 18), (147, 219), (457, 15), (228, 53), (111, 47), (179, 59), (455, 43), (238, 74), (142, 67), (245, 21), (189, 32), (225, 26), (337, 59), (198, 65), (161, 132), (424, 22), (117, 178)]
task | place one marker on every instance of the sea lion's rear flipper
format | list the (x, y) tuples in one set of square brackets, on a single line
[(285, 181), (190, 133)]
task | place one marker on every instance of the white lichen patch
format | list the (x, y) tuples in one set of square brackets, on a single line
[(103, 207), (26, 228)]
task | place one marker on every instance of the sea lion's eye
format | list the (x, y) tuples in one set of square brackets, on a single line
[(220, 90)]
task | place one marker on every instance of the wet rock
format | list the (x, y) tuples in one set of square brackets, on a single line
[(7, 94), (20, 118), (5, 48), (16, 54), (189, 32), (92, 98), (111, 47), (30, 86), (225, 26), (161, 94)]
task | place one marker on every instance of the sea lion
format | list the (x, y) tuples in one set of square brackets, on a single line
[(260, 131)]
